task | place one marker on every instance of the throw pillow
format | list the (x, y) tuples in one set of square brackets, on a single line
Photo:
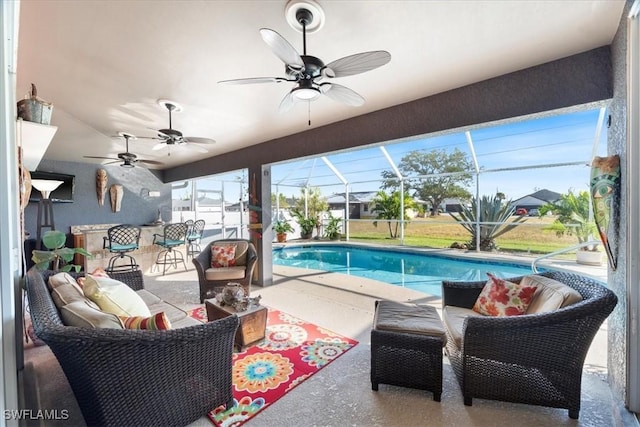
[(158, 322), (60, 279), (500, 297), (97, 272), (223, 256), (114, 297), (81, 314)]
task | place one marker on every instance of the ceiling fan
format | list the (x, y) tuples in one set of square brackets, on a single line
[(308, 72), (171, 136), (128, 159)]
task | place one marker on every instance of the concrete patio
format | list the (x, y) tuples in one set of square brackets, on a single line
[(341, 394)]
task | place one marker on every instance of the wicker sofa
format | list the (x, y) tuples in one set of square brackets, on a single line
[(532, 358), (138, 377)]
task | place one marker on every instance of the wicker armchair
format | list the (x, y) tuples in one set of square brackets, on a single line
[(137, 377), (534, 359), (212, 280)]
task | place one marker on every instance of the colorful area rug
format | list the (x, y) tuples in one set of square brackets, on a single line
[(292, 351)]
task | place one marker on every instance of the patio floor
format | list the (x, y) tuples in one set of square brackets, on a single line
[(341, 393)]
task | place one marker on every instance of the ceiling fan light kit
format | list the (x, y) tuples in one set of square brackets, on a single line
[(306, 71)]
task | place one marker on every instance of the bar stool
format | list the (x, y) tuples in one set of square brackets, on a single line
[(173, 235), (194, 236), (120, 240)]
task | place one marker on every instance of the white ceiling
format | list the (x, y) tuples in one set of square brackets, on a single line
[(104, 64)]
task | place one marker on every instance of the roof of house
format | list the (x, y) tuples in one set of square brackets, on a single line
[(355, 197), (539, 198)]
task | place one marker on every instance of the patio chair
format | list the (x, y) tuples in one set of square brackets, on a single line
[(194, 236), (172, 236), (535, 359), (120, 240), (212, 279)]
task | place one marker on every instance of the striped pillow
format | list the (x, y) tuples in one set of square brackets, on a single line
[(157, 322)]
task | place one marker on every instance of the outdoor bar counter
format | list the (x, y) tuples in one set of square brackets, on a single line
[(91, 238)]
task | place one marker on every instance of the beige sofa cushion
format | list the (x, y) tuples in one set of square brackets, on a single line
[(550, 294), (453, 318), (63, 278), (81, 314), (66, 293), (178, 318), (114, 297), (225, 273)]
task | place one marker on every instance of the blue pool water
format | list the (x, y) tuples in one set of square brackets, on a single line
[(420, 272)]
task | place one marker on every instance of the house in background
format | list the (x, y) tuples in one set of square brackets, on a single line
[(361, 204), (536, 200)]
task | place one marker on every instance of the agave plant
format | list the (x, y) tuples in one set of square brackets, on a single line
[(58, 255), (495, 220)]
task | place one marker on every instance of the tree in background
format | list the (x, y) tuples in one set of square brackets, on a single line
[(573, 217), (494, 211), (388, 207), (316, 206), (282, 200), (433, 189), (316, 203)]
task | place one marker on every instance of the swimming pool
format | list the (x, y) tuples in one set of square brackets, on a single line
[(420, 272)]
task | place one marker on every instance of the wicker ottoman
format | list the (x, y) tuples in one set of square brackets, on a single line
[(406, 347)]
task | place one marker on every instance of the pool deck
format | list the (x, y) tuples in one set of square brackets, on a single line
[(365, 291)]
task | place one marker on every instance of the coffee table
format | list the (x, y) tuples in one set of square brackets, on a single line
[(253, 321)]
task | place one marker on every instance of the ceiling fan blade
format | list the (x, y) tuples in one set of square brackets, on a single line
[(282, 49), (253, 80), (287, 102), (159, 146), (342, 94), (149, 162), (199, 140), (100, 157), (356, 64)]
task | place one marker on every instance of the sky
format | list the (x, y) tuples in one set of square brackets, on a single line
[(552, 140)]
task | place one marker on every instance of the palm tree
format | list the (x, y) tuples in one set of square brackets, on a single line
[(573, 218), (388, 207), (494, 220)]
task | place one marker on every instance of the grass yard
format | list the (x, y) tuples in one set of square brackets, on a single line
[(442, 231)]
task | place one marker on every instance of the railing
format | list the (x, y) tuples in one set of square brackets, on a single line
[(561, 251)]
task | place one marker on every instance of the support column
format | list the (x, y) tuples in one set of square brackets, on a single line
[(260, 227)]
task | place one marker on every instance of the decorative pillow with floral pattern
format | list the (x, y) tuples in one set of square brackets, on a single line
[(223, 256), (500, 297)]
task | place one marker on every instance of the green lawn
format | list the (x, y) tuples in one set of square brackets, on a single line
[(442, 231)]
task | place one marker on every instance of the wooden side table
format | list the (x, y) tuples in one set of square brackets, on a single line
[(253, 321)]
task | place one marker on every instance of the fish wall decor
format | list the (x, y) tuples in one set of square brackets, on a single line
[(605, 190)]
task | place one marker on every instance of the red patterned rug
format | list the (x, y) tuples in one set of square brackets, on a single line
[(292, 351)]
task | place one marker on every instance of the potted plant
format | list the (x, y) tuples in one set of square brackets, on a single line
[(281, 229), (332, 228), (573, 218), (58, 256), (307, 224)]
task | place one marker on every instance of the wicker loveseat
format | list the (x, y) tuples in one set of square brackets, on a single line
[(126, 377), (532, 358)]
